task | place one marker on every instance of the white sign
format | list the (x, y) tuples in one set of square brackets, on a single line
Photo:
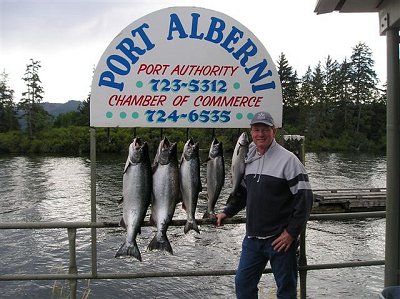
[(184, 67)]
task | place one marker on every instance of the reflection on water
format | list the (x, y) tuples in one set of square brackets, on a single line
[(344, 170), (58, 189), (353, 240)]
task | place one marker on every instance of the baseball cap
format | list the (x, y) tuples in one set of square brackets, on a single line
[(263, 118)]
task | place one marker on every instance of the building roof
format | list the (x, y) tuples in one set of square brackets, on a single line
[(326, 6), (389, 10)]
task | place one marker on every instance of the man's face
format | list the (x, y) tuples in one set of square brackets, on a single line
[(262, 135)]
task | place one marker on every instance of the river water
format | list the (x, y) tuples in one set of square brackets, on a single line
[(44, 188)]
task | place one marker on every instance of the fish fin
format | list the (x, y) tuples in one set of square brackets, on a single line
[(181, 160), (129, 250), (122, 223), (154, 167), (162, 245), (127, 164), (191, 225)]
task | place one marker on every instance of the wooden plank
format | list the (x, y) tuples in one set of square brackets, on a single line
[(355, 195), (344, 198), (349, 200)]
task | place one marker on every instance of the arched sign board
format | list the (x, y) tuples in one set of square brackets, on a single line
[(184, 67)]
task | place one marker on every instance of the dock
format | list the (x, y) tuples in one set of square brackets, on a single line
[(349, 200)]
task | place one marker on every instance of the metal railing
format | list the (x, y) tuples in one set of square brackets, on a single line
[(73, 276)]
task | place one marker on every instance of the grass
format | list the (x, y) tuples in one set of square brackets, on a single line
[(61, 289)]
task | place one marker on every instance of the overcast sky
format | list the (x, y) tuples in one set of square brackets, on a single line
[(69, 37)]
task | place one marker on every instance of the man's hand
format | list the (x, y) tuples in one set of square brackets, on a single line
[(220, 218), (283, 242)]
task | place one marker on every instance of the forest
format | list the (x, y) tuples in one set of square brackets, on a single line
[(336, 106)]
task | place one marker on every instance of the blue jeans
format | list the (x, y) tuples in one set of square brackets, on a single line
[(255, 255)]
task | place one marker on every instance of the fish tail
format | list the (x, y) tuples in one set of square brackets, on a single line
[(162, 244), (191, 225), (131, 250)]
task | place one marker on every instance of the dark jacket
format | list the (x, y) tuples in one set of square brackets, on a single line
[(278, 194)]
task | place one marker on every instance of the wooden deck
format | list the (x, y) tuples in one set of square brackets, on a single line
[(349, 200)]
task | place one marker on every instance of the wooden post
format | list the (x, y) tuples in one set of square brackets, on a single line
[(295, 144)]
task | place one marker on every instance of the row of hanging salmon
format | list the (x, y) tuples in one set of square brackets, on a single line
[(165, 182)]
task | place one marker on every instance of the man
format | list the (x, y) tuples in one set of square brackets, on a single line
[(278, 201)]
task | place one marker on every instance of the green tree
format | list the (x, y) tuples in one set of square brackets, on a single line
[(305, 90), (378, 130), (317, 116), (70, 118), (332, 79), (332, 92), (364, 80), (84, 112), (306, 102), (8, 113), (35, 116), (289, 83), (344, 97), (318, 84)]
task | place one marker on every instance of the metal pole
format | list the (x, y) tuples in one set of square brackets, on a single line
[(302, 262), (93, 198), (72, 262), (176, 273), (392, 247), (303, 253), (180, 222)]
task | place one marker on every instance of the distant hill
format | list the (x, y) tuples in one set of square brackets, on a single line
[(53, 109), (57, 108)]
